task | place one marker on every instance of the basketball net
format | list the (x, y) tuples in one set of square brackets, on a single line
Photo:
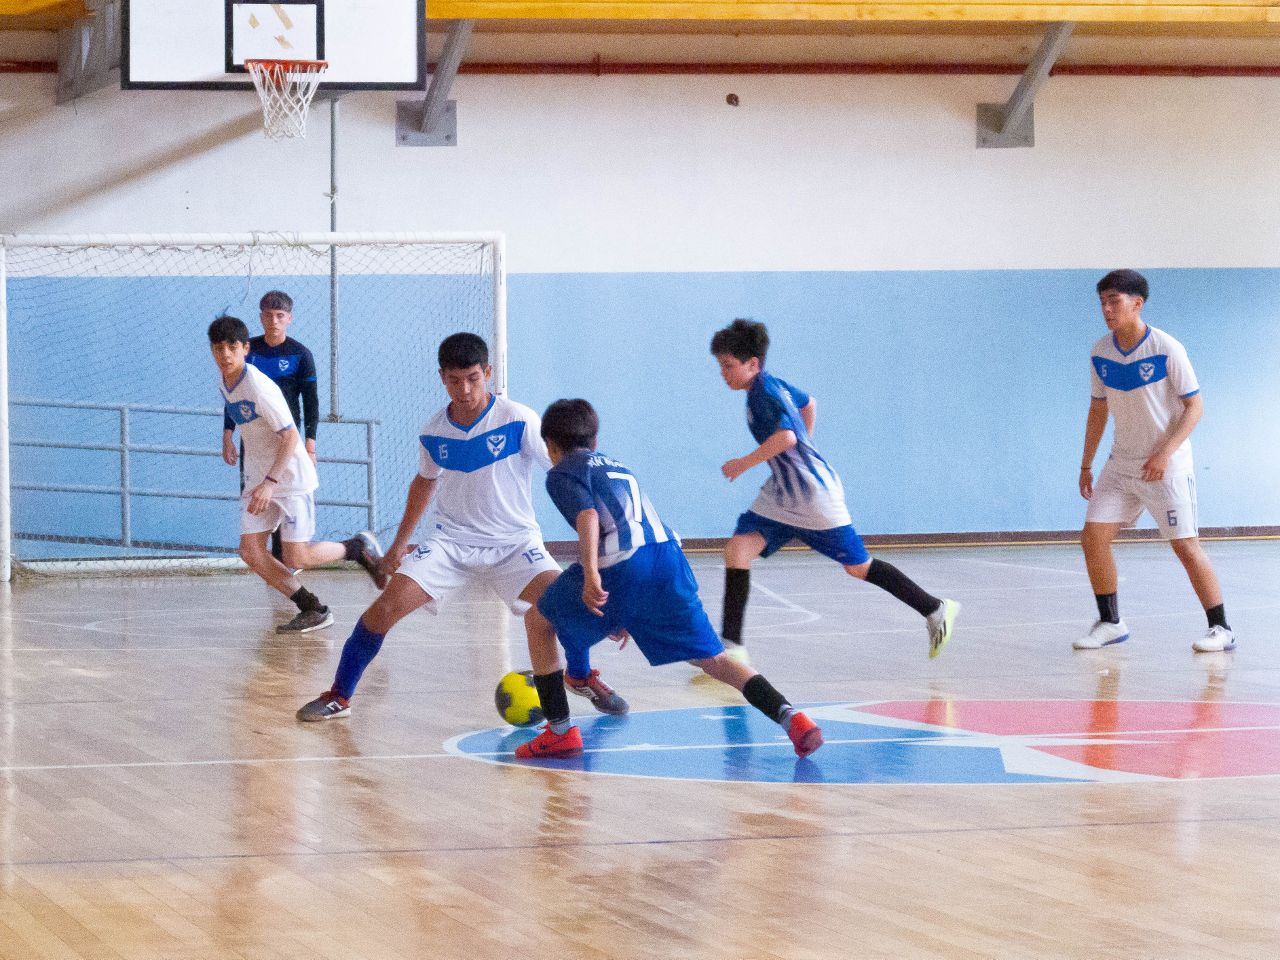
[(286, 88)]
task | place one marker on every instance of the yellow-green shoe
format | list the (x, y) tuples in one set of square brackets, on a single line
[(941, 622)]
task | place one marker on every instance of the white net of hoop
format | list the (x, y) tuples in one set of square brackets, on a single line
[(286, 88)]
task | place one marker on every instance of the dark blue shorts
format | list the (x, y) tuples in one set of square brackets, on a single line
[(652, 595), (841, 544)]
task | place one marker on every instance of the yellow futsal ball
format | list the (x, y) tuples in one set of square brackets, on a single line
[(517, 699)]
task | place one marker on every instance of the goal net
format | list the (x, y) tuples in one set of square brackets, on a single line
[(114, 420)]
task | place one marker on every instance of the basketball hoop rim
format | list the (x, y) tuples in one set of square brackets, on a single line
[(286, 64)]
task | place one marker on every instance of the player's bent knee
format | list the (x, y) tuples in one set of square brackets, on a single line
[(858, 570)]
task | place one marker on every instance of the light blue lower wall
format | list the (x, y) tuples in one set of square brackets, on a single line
[(949, 401)]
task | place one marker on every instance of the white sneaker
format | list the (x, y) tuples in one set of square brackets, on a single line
[(941, 623), (1215, 641), (1102, 634)]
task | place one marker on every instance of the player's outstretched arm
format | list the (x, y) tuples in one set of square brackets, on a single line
[(593, 592), (420, 491), (780, 442), (1094, 427)]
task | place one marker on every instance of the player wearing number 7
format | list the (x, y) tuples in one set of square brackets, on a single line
[(476, 457)]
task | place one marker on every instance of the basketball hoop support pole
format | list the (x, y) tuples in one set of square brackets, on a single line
[(434, 121), (6, 527), (333, 260)]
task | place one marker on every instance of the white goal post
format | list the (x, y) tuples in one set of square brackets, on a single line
[(110, 433)]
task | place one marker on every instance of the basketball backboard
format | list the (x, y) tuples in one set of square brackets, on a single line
[(202, 44)]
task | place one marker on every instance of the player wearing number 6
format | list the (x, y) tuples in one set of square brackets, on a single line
[(476, 458)]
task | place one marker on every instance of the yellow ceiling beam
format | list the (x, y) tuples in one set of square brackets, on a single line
[(40, 14), (1084, 11)]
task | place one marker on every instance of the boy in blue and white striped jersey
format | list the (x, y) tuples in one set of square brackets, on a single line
[(803, 498), (632, 577)]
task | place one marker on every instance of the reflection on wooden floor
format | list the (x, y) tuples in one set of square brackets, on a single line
[(159, 802)]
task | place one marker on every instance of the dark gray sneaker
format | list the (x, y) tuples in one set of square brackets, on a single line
[(602, 696), (307, 620), (370, 554), (327, 706)]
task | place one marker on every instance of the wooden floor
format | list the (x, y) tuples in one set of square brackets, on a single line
[(159, 801)]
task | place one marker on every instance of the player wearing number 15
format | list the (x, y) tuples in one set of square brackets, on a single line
[(476, 458)]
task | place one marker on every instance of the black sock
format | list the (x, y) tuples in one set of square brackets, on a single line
[(555, 702), (889, 578), (1217, 616), (761, 695), (351, 549), (1108, 607), (737, 587), (306, 600)]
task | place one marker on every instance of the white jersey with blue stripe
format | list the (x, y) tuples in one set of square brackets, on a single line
[(585, 480), (485, 493), (1145, 389), (256, 405), (802, 490)]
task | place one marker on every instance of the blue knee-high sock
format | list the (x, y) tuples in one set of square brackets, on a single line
[(577, 662), (358, 652)]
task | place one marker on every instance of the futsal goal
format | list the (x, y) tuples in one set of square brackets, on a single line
[(111, 440)]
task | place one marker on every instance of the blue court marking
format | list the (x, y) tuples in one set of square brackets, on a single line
[(737, 744)]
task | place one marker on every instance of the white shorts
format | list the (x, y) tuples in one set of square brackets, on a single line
[(1121, 499), (295, 516), (440, 566)]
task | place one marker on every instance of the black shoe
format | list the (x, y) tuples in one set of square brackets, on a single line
[(307, 620), (368, 557)]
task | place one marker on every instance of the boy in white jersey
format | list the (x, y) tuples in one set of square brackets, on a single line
[(803, 498), (476, 461), (279, 483), (1141, 376)]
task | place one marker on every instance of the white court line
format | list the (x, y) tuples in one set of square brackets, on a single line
[(807, 615), (1023, 566), (452, 751)]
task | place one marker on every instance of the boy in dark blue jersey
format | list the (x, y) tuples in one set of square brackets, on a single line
[(803, 498), (632, 577)]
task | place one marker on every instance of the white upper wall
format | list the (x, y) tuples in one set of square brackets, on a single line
[(660, 174)]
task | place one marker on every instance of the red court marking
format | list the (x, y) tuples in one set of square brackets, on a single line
[(1179, 739)]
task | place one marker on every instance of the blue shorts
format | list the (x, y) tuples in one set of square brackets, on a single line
[(652, 595), (841, 544)]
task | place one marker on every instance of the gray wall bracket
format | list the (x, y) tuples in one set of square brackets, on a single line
[(88, 51), (433, 121), (1012, 124)]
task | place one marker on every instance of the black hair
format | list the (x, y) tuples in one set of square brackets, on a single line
[(276, 300), (228, 330), (742, 340), (1125, 281), (571, 425), (462, 351)]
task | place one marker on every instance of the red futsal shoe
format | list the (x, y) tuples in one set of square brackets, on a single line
[(805, 734), (551, 744)]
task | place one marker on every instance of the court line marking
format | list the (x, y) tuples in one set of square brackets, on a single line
[(452, 750), (1024, 566)]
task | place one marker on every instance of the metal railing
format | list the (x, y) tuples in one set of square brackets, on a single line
[(125, 490)]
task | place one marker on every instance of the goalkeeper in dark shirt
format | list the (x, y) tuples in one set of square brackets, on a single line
[(290, 365)]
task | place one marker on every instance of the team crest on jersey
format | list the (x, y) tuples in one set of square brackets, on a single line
[(496, 443), (284, 364), (1146, 371), (242, 411)]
